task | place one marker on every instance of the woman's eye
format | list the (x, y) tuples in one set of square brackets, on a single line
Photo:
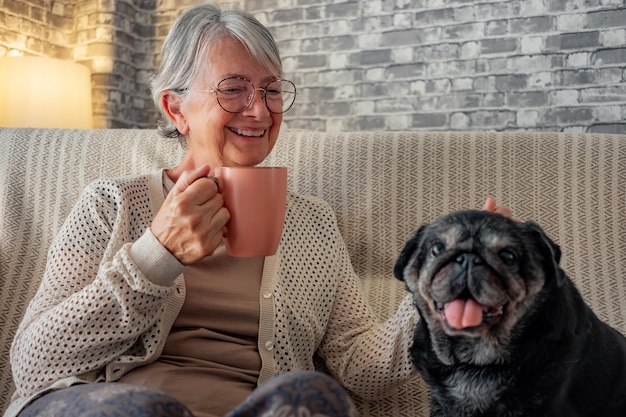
[(437, 248), (507, 256), (232, 91), (273, 92)]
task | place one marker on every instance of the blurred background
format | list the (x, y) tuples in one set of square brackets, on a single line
[(555, 65)]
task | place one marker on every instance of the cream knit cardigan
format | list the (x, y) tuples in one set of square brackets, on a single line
[(111, 292)]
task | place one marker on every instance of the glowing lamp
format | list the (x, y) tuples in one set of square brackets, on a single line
[(44, 92)]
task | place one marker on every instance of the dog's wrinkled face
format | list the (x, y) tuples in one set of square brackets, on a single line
[(474, 277)]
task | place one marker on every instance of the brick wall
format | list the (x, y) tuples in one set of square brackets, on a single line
[(454, 64), (374, 64)]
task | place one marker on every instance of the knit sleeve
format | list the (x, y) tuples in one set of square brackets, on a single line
[(368, 357), (94, 304)]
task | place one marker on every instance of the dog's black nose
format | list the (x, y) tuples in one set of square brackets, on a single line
[(466, 259)]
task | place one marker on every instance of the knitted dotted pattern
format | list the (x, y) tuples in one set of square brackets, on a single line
[(320, 306), (96, 312), (93, 303)]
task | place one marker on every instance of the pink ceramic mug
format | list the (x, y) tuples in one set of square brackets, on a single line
[(256, 198)]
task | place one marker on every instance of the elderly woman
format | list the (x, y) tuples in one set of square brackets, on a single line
[(142, 312)]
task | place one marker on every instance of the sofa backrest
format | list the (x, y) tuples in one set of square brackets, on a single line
[(382, 185)]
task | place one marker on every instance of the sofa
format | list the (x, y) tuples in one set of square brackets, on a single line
[(382, 186)]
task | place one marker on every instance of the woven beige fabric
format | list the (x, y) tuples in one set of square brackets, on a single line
[(382, 185)]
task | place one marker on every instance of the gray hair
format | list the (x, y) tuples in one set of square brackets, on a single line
[(186, 48)]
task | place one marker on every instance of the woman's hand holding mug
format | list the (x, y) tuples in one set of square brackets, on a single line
[(191, 222)]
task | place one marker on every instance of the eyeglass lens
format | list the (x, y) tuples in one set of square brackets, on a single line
[(235, 95)]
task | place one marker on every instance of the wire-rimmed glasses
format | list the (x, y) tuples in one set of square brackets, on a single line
[(236, 94)]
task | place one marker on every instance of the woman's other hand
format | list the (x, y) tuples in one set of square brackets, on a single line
[(490, 205), (191, 222)]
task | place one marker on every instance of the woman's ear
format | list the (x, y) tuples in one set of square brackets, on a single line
[(172, 104)]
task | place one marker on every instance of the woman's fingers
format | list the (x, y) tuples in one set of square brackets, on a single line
[(189, 177), (490, 205), (191, 222)]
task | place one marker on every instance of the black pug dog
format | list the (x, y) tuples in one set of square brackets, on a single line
[(504, 332)]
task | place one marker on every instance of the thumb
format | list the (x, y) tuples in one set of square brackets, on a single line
[(490, 204)]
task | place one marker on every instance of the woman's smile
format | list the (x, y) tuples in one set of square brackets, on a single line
[(248, 132)]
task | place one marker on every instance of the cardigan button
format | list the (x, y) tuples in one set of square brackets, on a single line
[(267, 294), (269, 345)]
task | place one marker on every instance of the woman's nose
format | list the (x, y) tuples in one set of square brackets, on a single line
[(258, 107)]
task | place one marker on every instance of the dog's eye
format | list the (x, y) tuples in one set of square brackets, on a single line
[(507, 256), (437, 248)]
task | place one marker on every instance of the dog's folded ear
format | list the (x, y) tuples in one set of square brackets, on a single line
[(549, 248), (407, 252)]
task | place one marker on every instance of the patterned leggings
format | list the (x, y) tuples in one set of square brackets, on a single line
[(301, 393)]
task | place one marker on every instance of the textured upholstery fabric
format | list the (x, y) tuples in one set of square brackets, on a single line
[(382, 185)]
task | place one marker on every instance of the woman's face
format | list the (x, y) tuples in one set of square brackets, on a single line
[(215, 136)]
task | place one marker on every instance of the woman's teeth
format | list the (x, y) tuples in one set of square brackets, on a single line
[(255, 133)]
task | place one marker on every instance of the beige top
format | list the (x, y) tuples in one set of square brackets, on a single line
[(212, 349), (211, 352)]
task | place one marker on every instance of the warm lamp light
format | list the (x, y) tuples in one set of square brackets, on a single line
[(44, 92)]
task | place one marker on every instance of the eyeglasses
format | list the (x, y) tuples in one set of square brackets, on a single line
[(236, 94)]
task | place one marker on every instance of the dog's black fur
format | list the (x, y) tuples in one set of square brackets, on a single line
[(539, 351)]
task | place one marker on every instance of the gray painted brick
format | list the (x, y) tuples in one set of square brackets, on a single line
[(492, 119), (464, 31), (377, 24), (606, 19), (498, 9), (426, 120), (459, 101), (441, 16), (497, 27), (368, 123), (366, 58), (350, 9), (303, 109), (611, 128), (608, 94), (399, 38), (373, 89), (306, 123), (527, 99), (538, 24), (313, 13), (312, 61), (585, 77), (320, 94), (397, 88), (571, 5), (394, 105), (568, 115), (574, 77), (497, 46), (494, 100), (335, 109), (609, 56), (579, 40), (306, 2), (443, 51), (510, 82), (405, 71), (338, 43), (425, 103)]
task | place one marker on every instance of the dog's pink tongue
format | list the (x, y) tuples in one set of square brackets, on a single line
[(463, 313)]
